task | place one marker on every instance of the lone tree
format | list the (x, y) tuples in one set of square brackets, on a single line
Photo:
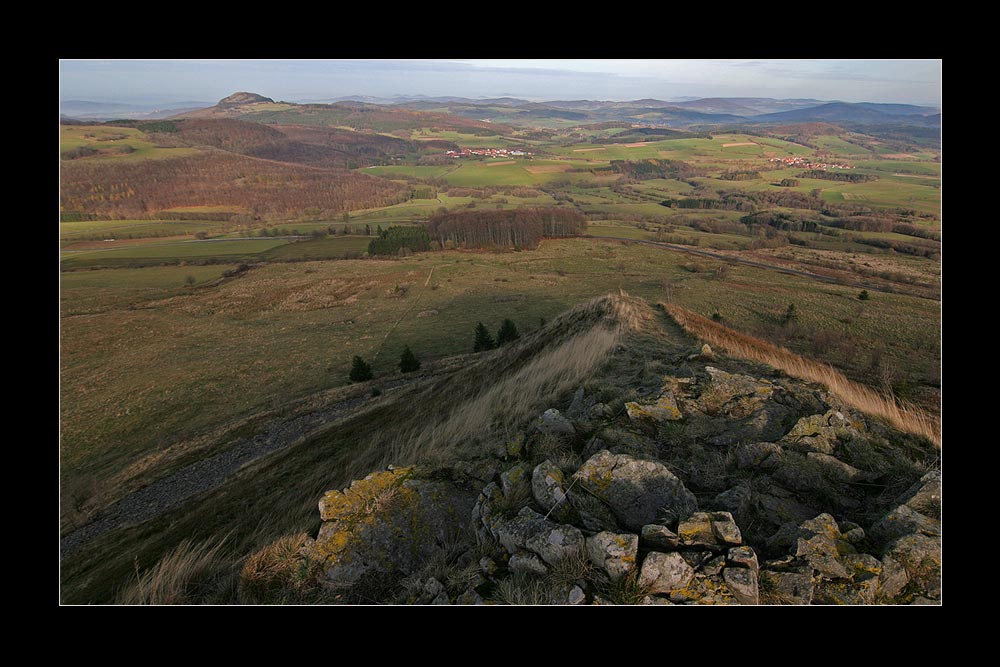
[(507, 333), (864, 296), (360, 370), (484, 341), (408, 361)]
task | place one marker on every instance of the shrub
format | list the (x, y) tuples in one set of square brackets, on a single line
[(507, 333), (360, 370), (484, 341), (408, 361), (864, 296)]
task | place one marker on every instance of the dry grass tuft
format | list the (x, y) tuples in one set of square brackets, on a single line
[(278, 574), (903, 416), (180, 577)]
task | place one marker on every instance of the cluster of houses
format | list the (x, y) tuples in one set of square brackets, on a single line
[(808, 164), (488, 152)]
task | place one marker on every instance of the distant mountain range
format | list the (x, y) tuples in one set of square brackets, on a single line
[(516, 111)]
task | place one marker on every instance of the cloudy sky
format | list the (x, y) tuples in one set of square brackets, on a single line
[(166, 81)]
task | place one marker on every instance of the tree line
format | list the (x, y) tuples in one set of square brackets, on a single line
[(646, 169), (844, 176), (518, 228), (394, 240)]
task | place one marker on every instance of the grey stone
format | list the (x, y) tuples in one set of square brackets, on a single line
[(920, 555), (855, 536), (388, 522), (553, 423), (516, 481), (837, 470), (637, 491), (664, 573), (661, 538), (594, 515), (487, 566), (712, 567), (663, 408), (524, 562), (469, 597), (925, 496), (547, 486), (819, 433), (614, 553), (653, 600), (903, 521), (743, 557), (696, 530), (786, 587), (743, 583), (559, 542), (576, 595), (764, 455), (737, 501), (601, 601), (893, 578), (442, 598), (725, 530), (432, 587)]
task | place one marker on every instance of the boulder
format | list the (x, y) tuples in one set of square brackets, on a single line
[(743, 583), (837, 470), (736, 395), (389, 522), (664, 573), (709, 529), (920, 556), (614, 553), (892, 579), (576, 595), (903, 521), (516, 481), (524, 562), (552, 422), (594, 515), (548, 488), (786, 587), (637, 491), (743, 557), (820, 433), (660, 538), (661, 409)]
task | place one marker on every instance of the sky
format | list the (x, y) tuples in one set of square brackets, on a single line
[(168, 81)]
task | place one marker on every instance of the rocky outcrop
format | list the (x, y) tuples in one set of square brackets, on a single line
[(714, 487), (239, 99)]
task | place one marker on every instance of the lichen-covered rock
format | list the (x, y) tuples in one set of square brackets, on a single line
[(576, 595), (594, 515), (763, 455), (819, 433), (614, 553), (552, 422), (706, 353), (637, 491), (516, 481), (925, 496), (524, 562), (725, 530), (819, 543), (664, 573), (469, 597), (736, 395), (920, 556), (712, 567), (487, 566), (696, 530), (389, 522), (548, 488), (660, 538), (663, 408), (892, 579), (786, 587), (557, 543), (836, 469), (903, 521), (743, 557), (743, 583)]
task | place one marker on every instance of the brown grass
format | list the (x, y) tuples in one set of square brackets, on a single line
[(548, 169), (278, 574), (740, 143), (177, 578), (497, 164), (903, 416)]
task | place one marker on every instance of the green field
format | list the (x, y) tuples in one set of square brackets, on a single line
[(106, 140), (332, 247), (103, 229), (230, 250)]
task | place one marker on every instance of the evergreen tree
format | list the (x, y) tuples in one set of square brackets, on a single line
[(507, 333), (483, 339), (360, 371), (408, 361)]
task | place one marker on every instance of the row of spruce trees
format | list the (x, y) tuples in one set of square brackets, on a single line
[(361, 370)]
